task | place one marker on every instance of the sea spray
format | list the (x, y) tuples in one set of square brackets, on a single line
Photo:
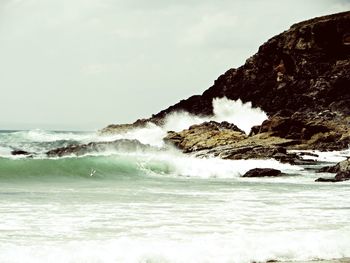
[(241, 114), (234, 111)]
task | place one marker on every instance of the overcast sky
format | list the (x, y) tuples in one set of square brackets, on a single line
[(83, 64)]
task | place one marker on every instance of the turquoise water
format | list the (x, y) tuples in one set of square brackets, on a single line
[(161, 207)]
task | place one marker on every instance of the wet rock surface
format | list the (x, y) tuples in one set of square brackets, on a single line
[(342, 170), (342, 166), (93, 147), (20, 152), (205, 136), (263, 172), (340, 177)]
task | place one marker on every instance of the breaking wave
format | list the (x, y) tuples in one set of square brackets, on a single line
[(115, 166)]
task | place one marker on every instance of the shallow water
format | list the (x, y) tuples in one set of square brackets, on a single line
[(162, 207)]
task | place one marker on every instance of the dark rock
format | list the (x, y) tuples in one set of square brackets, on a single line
[(20, 152), (263, 172), (304, 68), (343, 166), (255, 130), (342, 169), (82, 149), (292, 127), (321, 179), (340, 177)]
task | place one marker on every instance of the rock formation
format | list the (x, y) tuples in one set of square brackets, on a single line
[(263, 172), (93, 147), (342, 170), (305, 69), (340, 177), (205, 136), (300, 77)]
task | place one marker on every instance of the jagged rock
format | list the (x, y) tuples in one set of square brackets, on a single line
[(300, 77), (304, 69), (122, 128), (226, 141), (82, 149), (240, 151), (292, 128), (262, 172), (205, 136), (340, 177)]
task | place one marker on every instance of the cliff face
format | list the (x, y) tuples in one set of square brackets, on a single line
[(300, 77), (305, 69)]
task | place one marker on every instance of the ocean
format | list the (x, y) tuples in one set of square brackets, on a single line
[(162, 206)]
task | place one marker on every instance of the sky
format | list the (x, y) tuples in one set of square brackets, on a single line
[(84, 64)]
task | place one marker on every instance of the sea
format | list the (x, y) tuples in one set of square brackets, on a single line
[(160, 205)]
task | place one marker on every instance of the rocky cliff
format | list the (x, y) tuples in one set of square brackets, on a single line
[(300, 78), (304, 69)]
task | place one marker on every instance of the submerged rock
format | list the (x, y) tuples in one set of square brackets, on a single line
[(262, 172)]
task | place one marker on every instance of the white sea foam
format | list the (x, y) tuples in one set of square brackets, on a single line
[(242, 247), (5, 151), (241, 114), (174, 163), (331, 156), (237, 112)]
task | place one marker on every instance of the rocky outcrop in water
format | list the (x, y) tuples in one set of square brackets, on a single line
[(226, 141), (20, 152), (342, 166), (123, 145), (263, 172), (205, 136), (342, 170), (123, 128), (340, 177)]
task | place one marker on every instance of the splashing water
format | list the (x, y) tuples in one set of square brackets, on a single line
[(164, 206), (241, 114), (234, 111)]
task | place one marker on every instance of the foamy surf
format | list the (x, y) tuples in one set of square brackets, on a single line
[(239, 247), (160, 205)]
